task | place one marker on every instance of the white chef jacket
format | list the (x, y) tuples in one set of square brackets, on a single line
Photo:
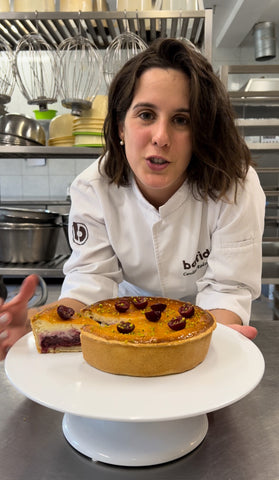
[(187, 249)]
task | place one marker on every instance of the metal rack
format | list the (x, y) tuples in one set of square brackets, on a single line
[(51, 269), (262, 119), (12, 151), (103, 27)]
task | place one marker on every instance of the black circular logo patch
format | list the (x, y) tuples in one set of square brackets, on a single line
[(80, 233)]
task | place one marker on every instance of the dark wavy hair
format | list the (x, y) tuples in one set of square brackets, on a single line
[(220, 157)]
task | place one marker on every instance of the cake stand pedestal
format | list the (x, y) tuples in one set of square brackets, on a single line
[(134, 444), (136, 421)]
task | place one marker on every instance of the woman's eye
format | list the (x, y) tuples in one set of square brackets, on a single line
[(146, 115), (182, 121)]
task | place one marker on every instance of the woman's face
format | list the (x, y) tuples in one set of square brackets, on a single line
[(157, 133)]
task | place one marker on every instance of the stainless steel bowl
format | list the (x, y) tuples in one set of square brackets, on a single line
[(22, 126), (26, 215), (27, 242), (14, 140)]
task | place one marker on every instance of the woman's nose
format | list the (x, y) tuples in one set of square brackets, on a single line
[(161, 136)]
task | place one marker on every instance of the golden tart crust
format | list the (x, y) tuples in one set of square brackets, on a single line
[(152, 348)]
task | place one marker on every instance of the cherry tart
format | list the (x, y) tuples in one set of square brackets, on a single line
[(145, 336)]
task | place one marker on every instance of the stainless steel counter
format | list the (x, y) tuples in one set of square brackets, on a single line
[(242, 442)]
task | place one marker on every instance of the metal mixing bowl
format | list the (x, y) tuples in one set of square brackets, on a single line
[(27, 242), (23, 127)]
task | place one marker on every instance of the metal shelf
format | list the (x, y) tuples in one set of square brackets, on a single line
[(242, 97), (270, 273), (263, 146), (257, 122), (103, 27), (51, 269), (49, 152), (270, 251)]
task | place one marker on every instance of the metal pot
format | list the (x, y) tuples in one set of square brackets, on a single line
[(26, 215), (17, 125), (28, 242)]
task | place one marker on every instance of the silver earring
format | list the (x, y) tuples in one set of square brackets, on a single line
[(121, 142)]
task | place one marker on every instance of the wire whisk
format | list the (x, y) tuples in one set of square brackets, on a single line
[(7, 79), (124, 46), (35, 68), (80, 73)]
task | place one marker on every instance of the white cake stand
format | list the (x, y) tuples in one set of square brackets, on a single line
[(134, 421)]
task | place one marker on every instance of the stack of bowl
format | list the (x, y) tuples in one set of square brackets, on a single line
[(20, 130), (61, 131), (88, 129)]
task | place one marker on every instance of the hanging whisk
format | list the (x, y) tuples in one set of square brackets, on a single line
[(124, 46), (7, 80), (36, 68), (80, 73)]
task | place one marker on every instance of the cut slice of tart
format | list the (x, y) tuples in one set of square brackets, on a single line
[(55, 333)]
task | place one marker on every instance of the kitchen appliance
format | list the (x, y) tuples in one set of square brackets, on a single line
[(36, 67), (80, 73), (124, 46), (7, 80)]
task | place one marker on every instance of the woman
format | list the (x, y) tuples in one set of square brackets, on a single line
[(173, 207)]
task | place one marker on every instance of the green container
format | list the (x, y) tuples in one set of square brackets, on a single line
[(44, 114)]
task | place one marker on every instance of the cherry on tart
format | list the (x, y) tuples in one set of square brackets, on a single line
[(125, 327), (153, 315), (122, 306), (177, 323), (65, 312), (140, 302), (187, 310), (158, 307)]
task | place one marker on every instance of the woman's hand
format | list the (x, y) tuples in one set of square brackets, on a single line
[(246, 330), (232, 320), (13, 315)]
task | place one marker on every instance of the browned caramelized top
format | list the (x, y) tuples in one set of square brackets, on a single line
[(146, 319), (51, 316)]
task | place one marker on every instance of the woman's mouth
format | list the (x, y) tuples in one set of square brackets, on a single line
[(157, 163)]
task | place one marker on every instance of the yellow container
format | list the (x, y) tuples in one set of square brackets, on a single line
[(32, 5), (75, 5), (4, 6)]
